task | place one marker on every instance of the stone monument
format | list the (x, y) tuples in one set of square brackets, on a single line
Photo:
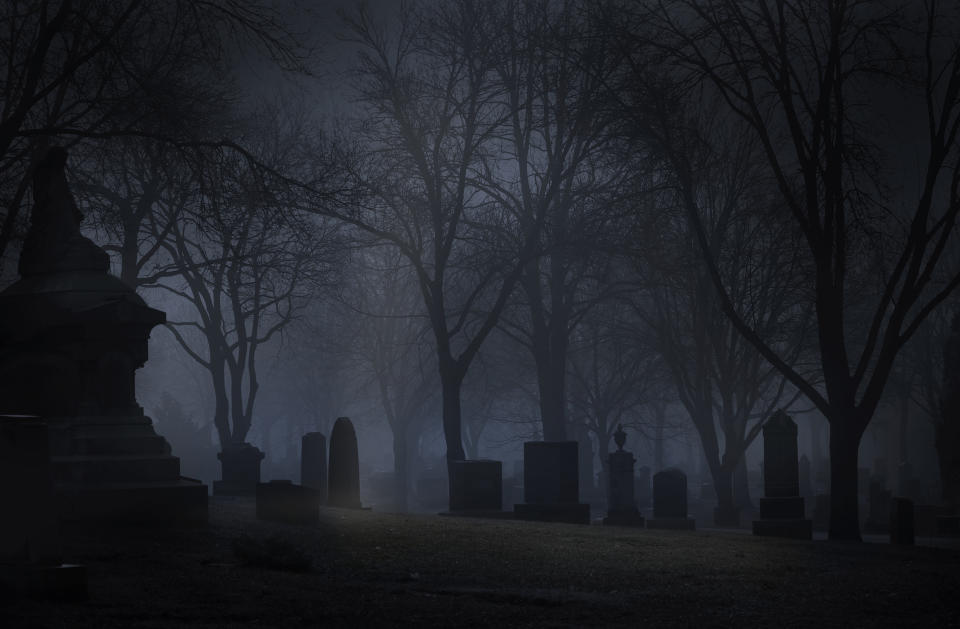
[(670, 501), (343, 478), (551, 490), (71, 339), (621, 503), (781, 510), (239, 470)]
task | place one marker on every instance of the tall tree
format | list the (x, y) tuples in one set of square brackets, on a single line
[(805, 79)]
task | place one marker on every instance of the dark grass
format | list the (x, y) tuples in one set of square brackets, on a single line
[(368, 569)]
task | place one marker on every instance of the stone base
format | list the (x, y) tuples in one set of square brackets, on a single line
[(624, 519), (181, 503), (64, 582), (233, 488), (282, 501), (570, 512), (678, 524), (785, 508), (796, 528), (875, 527)]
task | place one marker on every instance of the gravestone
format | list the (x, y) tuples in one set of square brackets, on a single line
[(670, 501), (343, 477), (901, 521), (781, 508), (644, 492), (30, 550), (551, 490), (239, 470), (282, 501), (313, 463), (621, 503), (71, 339), (476, 486)]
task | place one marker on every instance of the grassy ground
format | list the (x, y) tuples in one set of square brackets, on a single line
[(361, 568)]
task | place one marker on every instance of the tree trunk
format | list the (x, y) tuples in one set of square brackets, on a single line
[(551, 385), (452, 426), (661, 419), (844, 498)]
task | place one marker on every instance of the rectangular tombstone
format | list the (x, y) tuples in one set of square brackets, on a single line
[(620, 492), (313, 463), (780, 474), (282, 501), (476, 485), (551, 483), (550, 472)]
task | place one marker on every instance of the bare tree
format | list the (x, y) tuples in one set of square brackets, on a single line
[(433, 110), (103, 69), (804, 78)]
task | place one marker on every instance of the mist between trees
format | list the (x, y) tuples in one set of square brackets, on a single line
[(528, 220)]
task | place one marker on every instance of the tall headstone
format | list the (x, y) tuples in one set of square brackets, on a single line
[(551, 489), (313, 463), (71, 339), (781, 510), (621, 503), (670, 501), (343, 478)]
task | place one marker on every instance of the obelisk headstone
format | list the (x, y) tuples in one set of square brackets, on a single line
[(781, 510), (343, 479)]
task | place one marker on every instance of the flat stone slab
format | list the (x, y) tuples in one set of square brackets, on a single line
[(282, 501), (679, 524), (570, 512), (789, 528)]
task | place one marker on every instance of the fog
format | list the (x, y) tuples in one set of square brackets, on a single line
[(467, 226)]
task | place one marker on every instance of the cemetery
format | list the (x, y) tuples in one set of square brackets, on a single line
[(479, 314)]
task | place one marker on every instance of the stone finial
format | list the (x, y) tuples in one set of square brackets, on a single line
[(54, 243), (620, 437)]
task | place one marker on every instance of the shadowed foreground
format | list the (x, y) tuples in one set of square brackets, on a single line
[(371, 569)]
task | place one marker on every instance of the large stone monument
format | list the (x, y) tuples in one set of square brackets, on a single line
[(621, 503), (781, 510), (71, 339), (551, 480), (343, 478)]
